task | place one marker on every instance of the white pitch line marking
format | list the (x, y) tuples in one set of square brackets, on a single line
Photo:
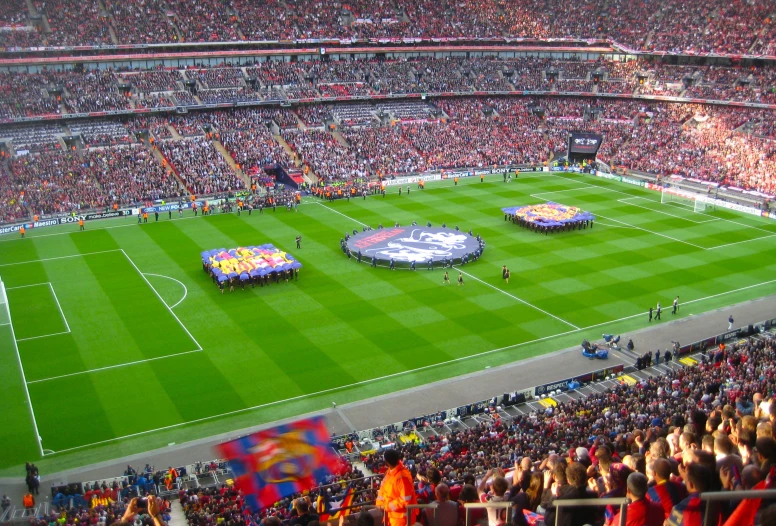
[(31, 285), (771, 234), (475, 278), (740, 242), (61, 312), (160, 298), (515, 297), (185, 290), (111, 367), (343, 215), (634, 226), (24, 380), (60, 257), (625, 200), (42, 336), (653, 232), (631, 195), (400, 373)]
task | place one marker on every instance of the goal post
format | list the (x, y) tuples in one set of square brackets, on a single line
[(5, 312), (686, 200)]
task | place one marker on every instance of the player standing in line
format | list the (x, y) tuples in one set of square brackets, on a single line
[(460, 279), (446, 279)]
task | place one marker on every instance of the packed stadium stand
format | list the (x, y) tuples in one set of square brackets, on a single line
[(107, 104), (689, 427)]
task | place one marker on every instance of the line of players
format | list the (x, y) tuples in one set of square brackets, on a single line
[(548, 229)]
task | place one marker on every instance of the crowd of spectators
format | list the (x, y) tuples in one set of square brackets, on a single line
[(140, 22), (205, 21), (74, 23), (92, 91), (109, 512), (56, 182), (11, 199), (155, 100), (245, 135), (157, 127), (221, 77), (187, 125), (152, 81), (714, 26), (313, 115), (20, 37), (26, 96), (720, 144), (386, 151), (131, 175), (101, 133), (14, 13), (687, 429), (33, 94), (184, 98), (659, 440), (218, 96), (330, 160), (200, 166)]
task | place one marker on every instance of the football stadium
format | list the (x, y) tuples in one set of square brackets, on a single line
[(287, 263)]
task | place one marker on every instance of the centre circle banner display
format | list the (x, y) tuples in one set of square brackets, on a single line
[(416, 244)]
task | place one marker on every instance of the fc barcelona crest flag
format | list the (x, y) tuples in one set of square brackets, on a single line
[(277, 462)]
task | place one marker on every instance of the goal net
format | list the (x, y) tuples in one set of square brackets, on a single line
[(5, 315), (686, 201)]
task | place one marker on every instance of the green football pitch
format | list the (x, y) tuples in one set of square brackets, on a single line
[(126, 345)]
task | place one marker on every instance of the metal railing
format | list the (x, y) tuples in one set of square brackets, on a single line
[(712, 508), (488, 505), (587, 503)]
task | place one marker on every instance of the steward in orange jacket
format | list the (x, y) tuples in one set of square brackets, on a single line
[(397, 490)]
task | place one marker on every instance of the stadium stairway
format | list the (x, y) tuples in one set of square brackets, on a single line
[(340, 139), (230, 161), (177, 518)]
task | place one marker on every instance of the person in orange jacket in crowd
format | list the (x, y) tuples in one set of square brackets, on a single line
[(397, 490)]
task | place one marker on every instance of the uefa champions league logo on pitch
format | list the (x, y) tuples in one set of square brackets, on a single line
[(422, 245)]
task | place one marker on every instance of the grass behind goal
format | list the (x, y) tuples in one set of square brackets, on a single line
[(128, 345)]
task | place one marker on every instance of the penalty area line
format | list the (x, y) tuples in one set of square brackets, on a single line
[(343, 215), (185, 289), (394, 375), (199, 347), (98, 369), (515, 297)]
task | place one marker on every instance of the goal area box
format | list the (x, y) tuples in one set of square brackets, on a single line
[(685, 199)]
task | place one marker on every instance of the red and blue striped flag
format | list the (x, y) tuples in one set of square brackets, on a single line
[(277, 462)]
